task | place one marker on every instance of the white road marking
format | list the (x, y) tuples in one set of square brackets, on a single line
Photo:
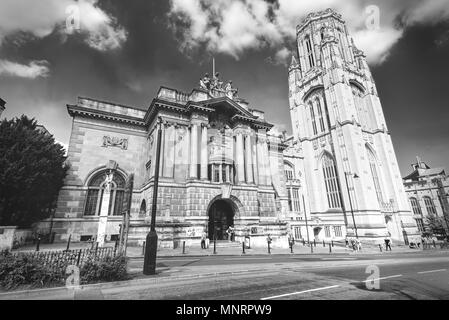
[(383, 278), (430, 271), (243, 258), (177, 260), (338, 258), (299, 292)]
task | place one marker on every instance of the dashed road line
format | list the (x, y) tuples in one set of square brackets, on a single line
[(300, 292)]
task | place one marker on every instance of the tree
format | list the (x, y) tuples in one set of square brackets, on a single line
[(434, 225), (32, 171)]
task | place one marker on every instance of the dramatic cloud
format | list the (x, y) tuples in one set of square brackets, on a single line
[(41, 18), (235, 26), (33, 70)]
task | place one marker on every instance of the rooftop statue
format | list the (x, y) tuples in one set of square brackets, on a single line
[(216, 87)]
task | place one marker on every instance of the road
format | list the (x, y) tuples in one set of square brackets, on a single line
[(282, 277)]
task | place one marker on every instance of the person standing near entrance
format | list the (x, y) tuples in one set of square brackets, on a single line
[(387, 243), (203, 240)]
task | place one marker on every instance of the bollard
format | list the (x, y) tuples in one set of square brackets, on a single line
[(314, 242), (38, 243), (183, 247), (143, 248), (332, 243), (68, 243), (380, 247), (311, 248), (324, 244), (243, 247), (215, 246), (330, 248), (303, 242)]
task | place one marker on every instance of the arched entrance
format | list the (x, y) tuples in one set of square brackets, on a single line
[(221, 216)]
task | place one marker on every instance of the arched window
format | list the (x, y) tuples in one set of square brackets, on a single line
[(96, 191), (289, 171), (415, 206), (375, 175), (430, 206), (320, 114), (309, 51), (331, 182), (312, 116), (143, 208)]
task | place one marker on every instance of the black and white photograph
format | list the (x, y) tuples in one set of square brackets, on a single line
[(221, 157)]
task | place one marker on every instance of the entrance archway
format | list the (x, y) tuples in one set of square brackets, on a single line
[(221, 216)]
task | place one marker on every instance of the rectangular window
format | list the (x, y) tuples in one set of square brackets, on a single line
[(327, 231), (297, 231), (296, 203), (118, 205), (337, 231), (216, 173), (223, 172), (91, 202), (420, 225)]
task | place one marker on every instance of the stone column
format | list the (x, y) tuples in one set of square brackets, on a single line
[(194, 152), (255, 161), (239, 158), (261, 161), (249, 160), (204, 152), (220, 173), (103, 220), (169, 151), (267, 162)]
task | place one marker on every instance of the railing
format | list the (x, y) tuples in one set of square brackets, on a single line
[(60, 259)]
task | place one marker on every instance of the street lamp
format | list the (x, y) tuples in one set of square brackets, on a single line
[(355, 176), (149, 263)]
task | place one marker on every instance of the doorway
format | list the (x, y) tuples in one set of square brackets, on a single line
[(221, 217)]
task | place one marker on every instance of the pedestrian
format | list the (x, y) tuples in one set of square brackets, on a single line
[(203, 240), (229, 231), (347, 241), (291, 240), (359, 245), (269, 240), (207, 242), (387, 243)]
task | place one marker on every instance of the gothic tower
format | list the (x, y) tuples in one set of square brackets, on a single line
[(350, 164)]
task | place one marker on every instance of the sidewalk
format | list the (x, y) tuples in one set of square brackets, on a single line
[(195, 250)]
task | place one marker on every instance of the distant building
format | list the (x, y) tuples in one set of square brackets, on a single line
[(427, 190), (2, 106), (42, 129)]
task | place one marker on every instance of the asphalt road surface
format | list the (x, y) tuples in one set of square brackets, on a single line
[(393, 276), (417, 276)]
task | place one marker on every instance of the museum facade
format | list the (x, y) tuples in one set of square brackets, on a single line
[(222, 164)]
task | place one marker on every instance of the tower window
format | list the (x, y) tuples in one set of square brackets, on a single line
[(415, 206), (320, 114), (331, 182), (309, 50), (374, 173), (312, 115), (430, 206)]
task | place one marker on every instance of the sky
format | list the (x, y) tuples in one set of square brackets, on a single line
[(52, 51)]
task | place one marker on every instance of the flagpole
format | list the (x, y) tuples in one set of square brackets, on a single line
[(213, 67)]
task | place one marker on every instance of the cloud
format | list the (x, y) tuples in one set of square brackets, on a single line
[(33, 70), (40, 18), (235, 26)]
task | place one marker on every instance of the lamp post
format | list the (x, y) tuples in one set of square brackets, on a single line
[(355, 176), (149, 264)]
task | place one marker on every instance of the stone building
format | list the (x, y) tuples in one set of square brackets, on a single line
[(428, 191), (219, 168), (223, 165), (350, 169)]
